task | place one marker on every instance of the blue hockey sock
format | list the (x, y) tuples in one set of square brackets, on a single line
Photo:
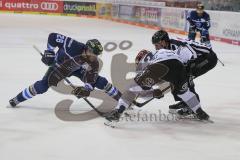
[(112, 91), (26, 94), (38, 87)]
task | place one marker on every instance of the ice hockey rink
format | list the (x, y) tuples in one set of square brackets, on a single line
[(33, 131)]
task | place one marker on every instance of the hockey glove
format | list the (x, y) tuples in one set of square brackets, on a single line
[(157, 93), (48, 57), (81, 92)]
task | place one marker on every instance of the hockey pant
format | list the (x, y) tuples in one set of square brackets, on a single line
[(199, 67), (204, 34), (172, 71)]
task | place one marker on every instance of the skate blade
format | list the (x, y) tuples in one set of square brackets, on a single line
[(111, 124), (207, 121), (9, 106), (194, 118), (172, 111), (187, 117)]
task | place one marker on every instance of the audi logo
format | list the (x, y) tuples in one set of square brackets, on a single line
[(49, 6)]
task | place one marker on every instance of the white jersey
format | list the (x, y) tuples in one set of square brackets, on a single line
[(185, 54), (197, 49), (182, 54), (163, 55)]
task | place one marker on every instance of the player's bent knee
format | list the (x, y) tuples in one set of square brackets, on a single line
[(41, 86)]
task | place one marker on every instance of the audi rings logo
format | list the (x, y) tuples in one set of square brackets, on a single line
[(49, 6)]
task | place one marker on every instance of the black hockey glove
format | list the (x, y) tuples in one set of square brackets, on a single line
[(157, 93), (48, 57), (81, 92)]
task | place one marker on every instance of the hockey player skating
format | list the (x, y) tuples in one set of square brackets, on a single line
[(199, 21), (72, 58), (162, 65), (199, 59)]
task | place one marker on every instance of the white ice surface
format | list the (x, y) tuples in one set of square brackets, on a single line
[(33, 132)]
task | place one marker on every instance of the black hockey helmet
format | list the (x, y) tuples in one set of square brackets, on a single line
[(160, 35), (95, 46)]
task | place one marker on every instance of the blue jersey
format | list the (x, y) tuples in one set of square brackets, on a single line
[(69, 53), (200, 22), (68, 47)]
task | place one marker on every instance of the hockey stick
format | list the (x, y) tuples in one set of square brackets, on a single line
[(221, 62), (73, 87), (142, 104), (146, 102)]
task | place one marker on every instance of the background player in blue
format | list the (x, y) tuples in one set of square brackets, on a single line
[(199, 22), (72, 58)]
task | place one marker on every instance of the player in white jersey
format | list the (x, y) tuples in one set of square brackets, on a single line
[(198, 59), (162, 65)]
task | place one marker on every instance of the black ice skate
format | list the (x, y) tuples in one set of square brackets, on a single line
[(113, 117), (173, 109), (201, 115), (13, 102), (185, 113), (115, 114)]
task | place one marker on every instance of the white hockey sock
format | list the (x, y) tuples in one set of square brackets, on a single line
[(191, 100)]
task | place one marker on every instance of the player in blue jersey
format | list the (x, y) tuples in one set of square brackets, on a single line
[(72, 58), (199, 22)]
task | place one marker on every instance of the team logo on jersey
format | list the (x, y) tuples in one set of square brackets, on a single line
[(148, 82)]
